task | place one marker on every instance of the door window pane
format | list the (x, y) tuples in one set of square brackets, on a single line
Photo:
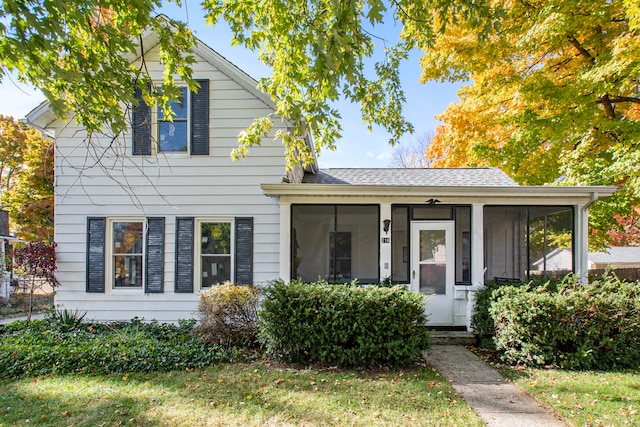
[(433, 262), (432, 246), (433, 279)]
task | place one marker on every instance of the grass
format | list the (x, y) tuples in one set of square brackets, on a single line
[(594, 399), (18, 304), (237, 395)]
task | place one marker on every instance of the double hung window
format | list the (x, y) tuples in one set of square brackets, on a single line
[(215, 253), (173, 133), (127, 254)]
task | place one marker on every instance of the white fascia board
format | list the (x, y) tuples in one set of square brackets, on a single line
[(41, 118), (481, 194)]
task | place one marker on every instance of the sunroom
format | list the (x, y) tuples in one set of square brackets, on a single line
[(442, 232)]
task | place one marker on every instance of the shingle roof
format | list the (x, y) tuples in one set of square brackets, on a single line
[(414, 177), (617, 254)]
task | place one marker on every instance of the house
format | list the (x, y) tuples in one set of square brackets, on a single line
[(6, 239), (166, 213), (615, 257)]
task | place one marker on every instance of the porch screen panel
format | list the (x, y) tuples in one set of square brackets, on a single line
[(505, 242), (361, 223), (400, 244), (521, 241), (463, 244), (337, 243), (311, 225), (550, 240)]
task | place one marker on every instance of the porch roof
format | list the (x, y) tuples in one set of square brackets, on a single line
[(420, 177), (488, 186)]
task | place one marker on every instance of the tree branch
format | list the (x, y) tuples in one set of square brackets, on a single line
[(617, 99)]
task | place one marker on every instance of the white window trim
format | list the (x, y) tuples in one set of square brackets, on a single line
[(155, 127), (197, 249), (109, 270)]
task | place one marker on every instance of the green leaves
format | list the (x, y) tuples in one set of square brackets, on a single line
[(317, 50), (79, 54), (343, 324)]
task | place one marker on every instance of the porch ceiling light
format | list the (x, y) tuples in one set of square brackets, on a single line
[(387, 224)]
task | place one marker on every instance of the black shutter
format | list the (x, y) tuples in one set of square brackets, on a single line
[(141, 126), (96, 228), (244, 251), (154, 278), (200, 119), (184, 255)]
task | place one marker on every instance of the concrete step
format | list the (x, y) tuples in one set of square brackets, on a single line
[(452, 338)]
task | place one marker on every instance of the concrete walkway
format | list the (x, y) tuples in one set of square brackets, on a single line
[(499, 402), (8, 320)]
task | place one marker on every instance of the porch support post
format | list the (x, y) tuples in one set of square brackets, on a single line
[(385, 248), (477, 257), (581, 252), (477, 245), (285, 241)]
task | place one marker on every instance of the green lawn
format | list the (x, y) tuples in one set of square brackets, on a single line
[(586, 398), (234, 395)]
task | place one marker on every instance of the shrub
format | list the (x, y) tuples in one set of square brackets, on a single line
[(43, 347), (590, 326), (343, 324), (228, 315), (482, 322)]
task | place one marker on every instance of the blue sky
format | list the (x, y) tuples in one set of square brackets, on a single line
[(357, 148)]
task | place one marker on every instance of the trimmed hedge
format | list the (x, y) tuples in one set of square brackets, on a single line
[(345, 325), (576, 326), (49, 347)]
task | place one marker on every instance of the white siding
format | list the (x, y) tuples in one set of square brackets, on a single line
[(95, 179)]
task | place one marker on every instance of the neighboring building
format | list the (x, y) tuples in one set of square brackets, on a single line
[(615, 257), (171, 214), (5, 240)]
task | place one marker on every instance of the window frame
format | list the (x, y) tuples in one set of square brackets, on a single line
[(197, 249), (110, 255)]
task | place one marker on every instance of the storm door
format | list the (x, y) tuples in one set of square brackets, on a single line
[(432, 268)]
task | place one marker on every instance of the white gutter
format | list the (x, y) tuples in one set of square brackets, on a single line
[(476, 192)]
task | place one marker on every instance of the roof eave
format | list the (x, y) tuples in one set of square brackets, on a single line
[(472, 192)]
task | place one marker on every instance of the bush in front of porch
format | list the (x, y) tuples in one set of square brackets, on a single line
[(569, 325), (343, 324)]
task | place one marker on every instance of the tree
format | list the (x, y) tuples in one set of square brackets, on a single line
[(554, 97), (554, 93), (413, 155), (12, 139), (87, 56), (37, 260), (630, 229), (27, 186)]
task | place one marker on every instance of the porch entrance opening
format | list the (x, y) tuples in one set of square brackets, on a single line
[(432, 268)]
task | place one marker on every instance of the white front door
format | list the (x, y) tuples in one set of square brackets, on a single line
[(432, 268)]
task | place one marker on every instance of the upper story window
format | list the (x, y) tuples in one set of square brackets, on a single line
[(173, 134), (188, 132)]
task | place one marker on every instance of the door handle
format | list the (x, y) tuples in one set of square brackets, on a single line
[(414, 274)]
